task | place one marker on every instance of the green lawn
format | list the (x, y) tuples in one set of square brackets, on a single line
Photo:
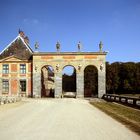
[(126, 115)]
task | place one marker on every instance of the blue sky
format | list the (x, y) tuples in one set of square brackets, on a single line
[(115, 22)]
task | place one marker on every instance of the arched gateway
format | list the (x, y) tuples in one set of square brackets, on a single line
[(79, 60)]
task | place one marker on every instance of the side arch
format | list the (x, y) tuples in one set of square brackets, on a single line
[(90, 81), (47, 81)]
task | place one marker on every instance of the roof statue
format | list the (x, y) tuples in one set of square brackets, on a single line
[(36, 46), (58, 46), (79, 46), (100, 46)]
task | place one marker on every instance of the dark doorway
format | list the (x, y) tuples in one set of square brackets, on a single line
[(90, 81)]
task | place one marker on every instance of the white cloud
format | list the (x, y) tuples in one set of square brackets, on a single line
[(30, 21), (35, 21)]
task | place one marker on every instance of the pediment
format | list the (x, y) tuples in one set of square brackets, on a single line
[(11, 59)]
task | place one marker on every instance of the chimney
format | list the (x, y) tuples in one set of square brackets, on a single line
[(21, 33), (26, 39)]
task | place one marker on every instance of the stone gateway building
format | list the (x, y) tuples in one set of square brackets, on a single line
[(25, 72)]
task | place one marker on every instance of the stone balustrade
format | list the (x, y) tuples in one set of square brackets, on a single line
[(9, 99), (130, 101)]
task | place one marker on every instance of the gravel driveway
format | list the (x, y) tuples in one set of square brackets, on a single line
[(59, 119)]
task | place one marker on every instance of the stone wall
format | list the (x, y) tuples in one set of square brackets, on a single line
[(9, 99)]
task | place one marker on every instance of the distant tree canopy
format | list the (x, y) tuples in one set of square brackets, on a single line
[(69, 82), (123, 77)]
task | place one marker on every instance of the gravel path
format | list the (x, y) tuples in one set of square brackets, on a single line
[(59, 119)]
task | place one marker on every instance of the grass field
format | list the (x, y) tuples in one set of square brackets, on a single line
[(128, 116)]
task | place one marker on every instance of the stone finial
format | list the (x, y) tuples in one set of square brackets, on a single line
[(58, 46), (100, 46), (79, 46), (36, 46)]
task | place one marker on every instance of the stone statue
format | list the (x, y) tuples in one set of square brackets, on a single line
[(79, 46), (100, 46), (58, 47), (36, 46)]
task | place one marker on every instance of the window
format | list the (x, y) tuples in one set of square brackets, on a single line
[(23, 85), (5, 68), (22, 68), (5, 86)]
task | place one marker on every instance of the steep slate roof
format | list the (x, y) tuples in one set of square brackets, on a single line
[(19, 48)]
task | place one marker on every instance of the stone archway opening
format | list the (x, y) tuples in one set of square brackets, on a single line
[(90, 81), (69, 81), (47, 81)]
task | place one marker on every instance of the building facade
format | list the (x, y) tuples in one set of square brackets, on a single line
[(24, 72)]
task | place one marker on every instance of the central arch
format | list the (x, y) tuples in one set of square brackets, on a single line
[(90, 81), (69, 81)]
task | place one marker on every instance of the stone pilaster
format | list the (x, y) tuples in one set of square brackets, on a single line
[(80, 84), (101, 82), (58, 84), (36, 84)]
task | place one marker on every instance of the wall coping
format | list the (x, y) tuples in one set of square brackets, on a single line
[(69, 53)]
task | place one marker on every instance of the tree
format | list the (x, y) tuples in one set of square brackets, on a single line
[(123, 77)]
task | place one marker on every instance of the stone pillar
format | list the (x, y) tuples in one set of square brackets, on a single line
[(80, 84), (101, 82), (58, 84), (0, 86), (37, 84)]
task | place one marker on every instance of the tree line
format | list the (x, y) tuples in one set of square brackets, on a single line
[(123, 78)]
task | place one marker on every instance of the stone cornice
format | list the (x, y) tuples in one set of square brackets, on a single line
[(69, 53)]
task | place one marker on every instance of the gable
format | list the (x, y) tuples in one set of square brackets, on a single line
[(17, 48)]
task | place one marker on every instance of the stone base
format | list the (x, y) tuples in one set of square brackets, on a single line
[(36, 96), (57, 96), (79, 96)]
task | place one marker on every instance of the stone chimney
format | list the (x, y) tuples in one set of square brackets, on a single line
[(21, 33), (26, 39)]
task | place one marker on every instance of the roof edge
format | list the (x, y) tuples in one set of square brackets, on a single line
[(14, 41)]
